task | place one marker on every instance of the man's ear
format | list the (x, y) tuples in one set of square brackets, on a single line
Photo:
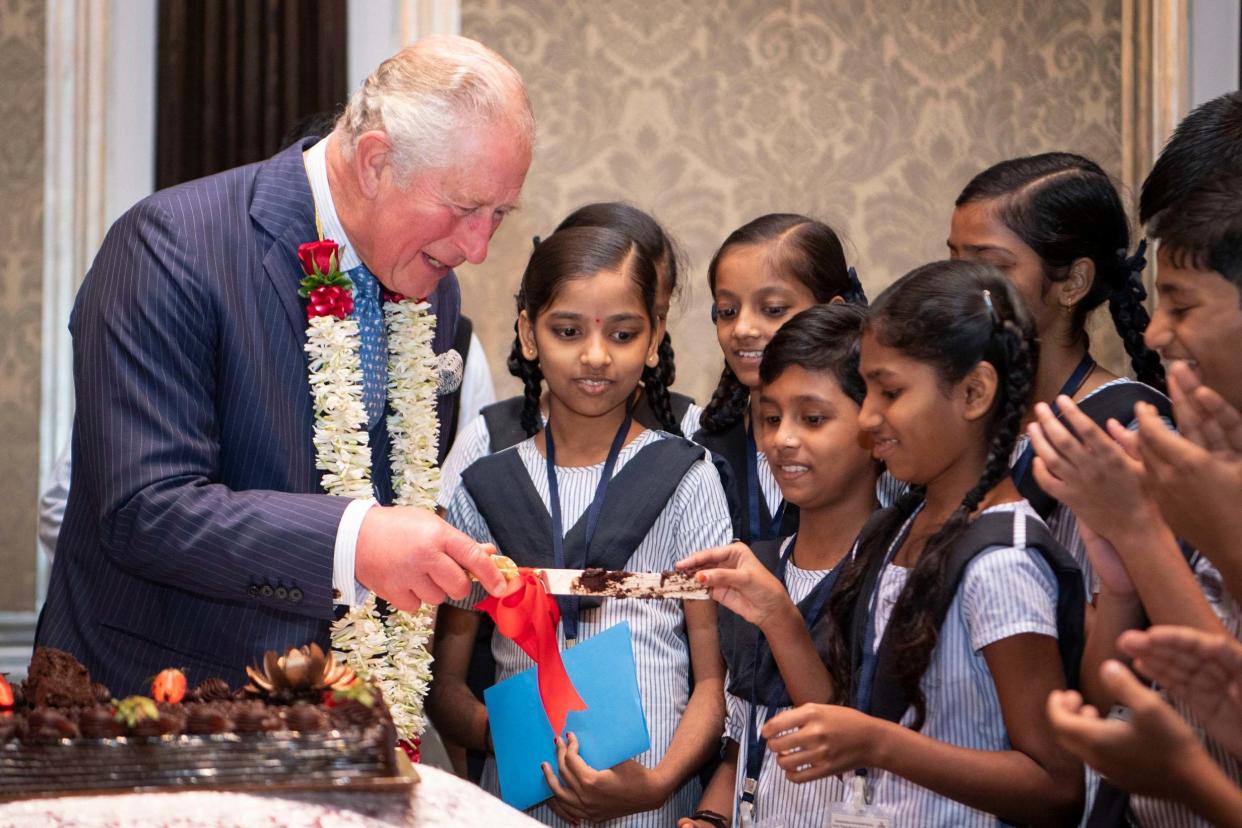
[(372, 161), (979, 389), (526, 335)]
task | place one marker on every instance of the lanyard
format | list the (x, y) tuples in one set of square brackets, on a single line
[(754, 493), (1071, 387), (813, 606), (569, 614)]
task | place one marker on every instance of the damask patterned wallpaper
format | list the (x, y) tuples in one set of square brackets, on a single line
[(869, 114), (22, 51)]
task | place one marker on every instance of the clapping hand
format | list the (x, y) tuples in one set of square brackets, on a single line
[(1204, 671), (1195, 477), (1092, 472), (738, 581), (1152, 754)]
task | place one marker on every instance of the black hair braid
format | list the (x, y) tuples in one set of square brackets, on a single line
[(668, 364), (514, 360), (658, 398), (844, 600), (727, 404), (532, 390), (915, 625), (1130, 318)]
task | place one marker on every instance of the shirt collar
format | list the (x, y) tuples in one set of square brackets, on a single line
[(317, 171)]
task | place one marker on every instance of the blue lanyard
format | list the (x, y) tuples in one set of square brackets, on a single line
[(754, 493), (569, 614), (813, 608), (1069, 389)]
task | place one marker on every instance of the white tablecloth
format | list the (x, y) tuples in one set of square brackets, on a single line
[(439, 800)]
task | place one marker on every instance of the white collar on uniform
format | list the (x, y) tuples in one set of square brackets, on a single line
[(317, 171)]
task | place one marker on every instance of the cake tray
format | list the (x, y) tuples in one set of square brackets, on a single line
[(396, 777)]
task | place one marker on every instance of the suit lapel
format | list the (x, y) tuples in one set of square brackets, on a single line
[(284, 208)]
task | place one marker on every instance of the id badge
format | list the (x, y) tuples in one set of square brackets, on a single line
[(854, 812)]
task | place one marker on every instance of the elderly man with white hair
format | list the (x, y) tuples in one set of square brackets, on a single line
[(238, 440)]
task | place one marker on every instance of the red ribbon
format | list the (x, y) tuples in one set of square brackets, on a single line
[(529, 616)]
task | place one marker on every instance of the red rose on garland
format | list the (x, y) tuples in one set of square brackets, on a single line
[(320, 258), (328, 291)]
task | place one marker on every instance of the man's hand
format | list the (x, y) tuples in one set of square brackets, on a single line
[(409, 556), (1204, 671)]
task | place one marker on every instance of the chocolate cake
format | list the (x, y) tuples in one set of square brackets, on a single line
[(304, 721)]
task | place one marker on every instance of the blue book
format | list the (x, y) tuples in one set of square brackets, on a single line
[(611, 730)]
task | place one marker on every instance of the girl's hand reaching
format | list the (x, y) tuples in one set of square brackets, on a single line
[(739, 582)]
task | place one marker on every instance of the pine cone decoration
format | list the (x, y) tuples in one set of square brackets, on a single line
[(301, 673)]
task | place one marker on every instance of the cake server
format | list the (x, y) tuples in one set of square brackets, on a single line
[(621, 584)]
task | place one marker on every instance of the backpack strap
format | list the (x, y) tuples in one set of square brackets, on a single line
[(998, 529), (504, 424), (1115, 402)]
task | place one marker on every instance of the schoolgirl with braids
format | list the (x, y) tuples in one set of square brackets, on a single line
[(501, 424), (1055, 226), (959, 613), (595, 488), (669, 407), (764, 274)]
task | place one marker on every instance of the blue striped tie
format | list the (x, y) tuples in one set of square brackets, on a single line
[(370, 316)]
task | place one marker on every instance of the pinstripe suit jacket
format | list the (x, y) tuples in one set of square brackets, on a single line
[(196, 534)]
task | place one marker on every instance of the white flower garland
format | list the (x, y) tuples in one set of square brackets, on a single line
[(391, 652)]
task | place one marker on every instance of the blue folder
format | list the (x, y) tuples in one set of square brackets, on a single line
[(611, 730)]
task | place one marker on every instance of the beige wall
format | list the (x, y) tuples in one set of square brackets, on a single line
[(870, 114), (21, 283)]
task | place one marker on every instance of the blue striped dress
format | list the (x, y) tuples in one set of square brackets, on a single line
[(1005, 591), (778, 800), (696, 517)]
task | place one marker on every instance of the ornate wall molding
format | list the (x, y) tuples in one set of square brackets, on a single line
[(1155, 85)]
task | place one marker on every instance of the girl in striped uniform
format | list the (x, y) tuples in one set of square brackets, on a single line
[(809, 402), (765, 272), (660, 408), (588, 326), (1055, 226), (959, 613)]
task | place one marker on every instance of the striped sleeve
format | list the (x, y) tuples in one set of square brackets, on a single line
[(1007, 592)]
